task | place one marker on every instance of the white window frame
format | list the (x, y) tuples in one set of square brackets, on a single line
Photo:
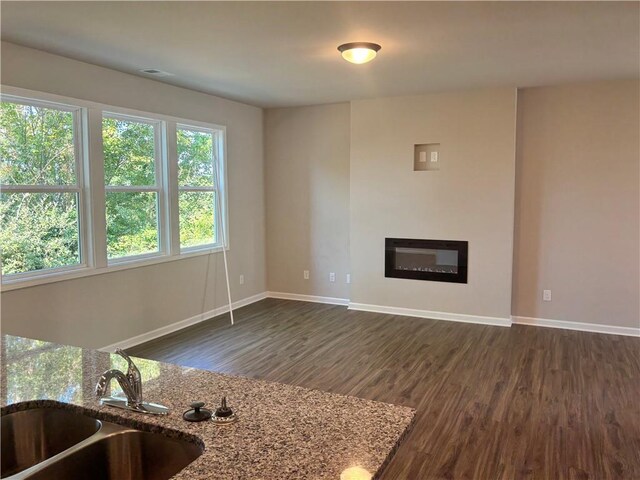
[(217, 153), (93, 195), (159, 188), (83, 201)]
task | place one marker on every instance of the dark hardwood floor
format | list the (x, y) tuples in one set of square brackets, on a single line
[(492, 402)]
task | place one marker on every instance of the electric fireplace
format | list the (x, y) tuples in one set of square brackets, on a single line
[(435, 260)]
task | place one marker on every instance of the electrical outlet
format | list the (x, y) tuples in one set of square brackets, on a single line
[(348, 278), (546, 295), (241, 279), (305, 274), (332, 277)]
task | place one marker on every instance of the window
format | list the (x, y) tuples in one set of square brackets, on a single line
[(197, 196), (41, 199), (132, 176), (86, 188)]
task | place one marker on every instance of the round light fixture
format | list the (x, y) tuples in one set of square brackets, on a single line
[(359, 52)]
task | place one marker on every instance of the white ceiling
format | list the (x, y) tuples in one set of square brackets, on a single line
[(284, 53)]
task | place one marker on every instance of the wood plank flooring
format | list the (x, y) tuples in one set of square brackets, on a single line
[(492, 402)]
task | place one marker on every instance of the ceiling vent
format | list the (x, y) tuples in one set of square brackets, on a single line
[(155, 72)]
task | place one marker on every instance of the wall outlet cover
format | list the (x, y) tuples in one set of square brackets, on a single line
[(426, 156)]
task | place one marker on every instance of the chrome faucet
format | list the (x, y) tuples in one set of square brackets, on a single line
[(131, 384)]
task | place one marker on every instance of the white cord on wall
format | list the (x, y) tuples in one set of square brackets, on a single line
[(223, 228)]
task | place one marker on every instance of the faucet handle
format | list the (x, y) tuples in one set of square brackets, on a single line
[(133, 375), (132, 369)]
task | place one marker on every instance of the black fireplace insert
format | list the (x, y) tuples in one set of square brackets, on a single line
[(436, 260)]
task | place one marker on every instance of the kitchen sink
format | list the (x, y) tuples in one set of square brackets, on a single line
[(126, 455), (32, 436), (51, 443)]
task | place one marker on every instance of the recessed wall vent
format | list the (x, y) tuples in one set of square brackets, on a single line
[(155, 72)]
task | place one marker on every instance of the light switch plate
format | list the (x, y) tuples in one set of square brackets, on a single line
[(426, 156)]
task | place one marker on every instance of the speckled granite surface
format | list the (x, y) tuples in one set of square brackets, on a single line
[(283, 432)]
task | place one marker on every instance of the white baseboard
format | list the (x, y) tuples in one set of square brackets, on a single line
[(174, 327), (452, 317), (308, 298), (583, 327), (409, 312)]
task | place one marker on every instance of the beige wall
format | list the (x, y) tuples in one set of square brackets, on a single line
[(470, 198), (111, 307), (577, 196), (339, 179), (307, 184)]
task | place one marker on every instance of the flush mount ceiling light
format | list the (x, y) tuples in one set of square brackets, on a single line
[(359, 52)]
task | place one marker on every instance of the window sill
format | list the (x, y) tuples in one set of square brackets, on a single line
[(53, 277)]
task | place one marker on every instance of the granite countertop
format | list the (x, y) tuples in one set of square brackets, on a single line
[(283, 431)]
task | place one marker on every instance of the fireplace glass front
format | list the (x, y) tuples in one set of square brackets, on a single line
[(436, 260)]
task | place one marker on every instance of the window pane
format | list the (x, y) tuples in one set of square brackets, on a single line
[(195, 158), (132, 223), (36, 145), (197, 212), (129, 152), (38, 231)]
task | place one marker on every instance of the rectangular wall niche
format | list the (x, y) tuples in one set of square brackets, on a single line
[(426, 156)]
